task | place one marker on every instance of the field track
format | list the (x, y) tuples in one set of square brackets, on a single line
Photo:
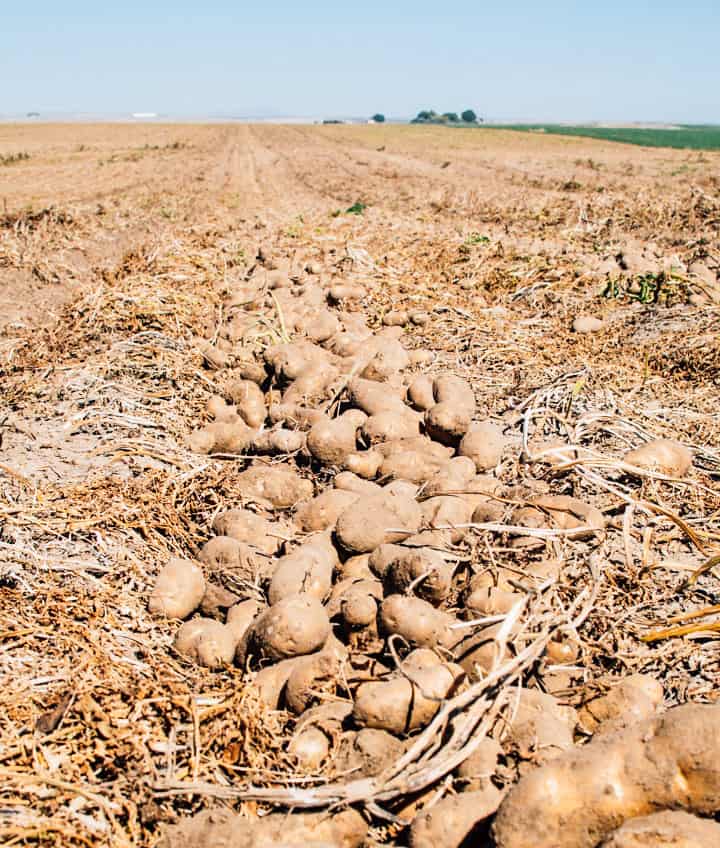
[(121, 248)]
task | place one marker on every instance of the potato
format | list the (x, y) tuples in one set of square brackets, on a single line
[(395, 318), (375, 519), (214, 358), (239, 618), (480, 653), (454, 476), (290, 361), (225, 554), (490, 600), (249, 400), (250, 369), (423, 569), (632, 699), (273, 486), (294, 415), (331, 440), (400, 706), (419, 318), (340, 293), (321, 513), (419, 444), (294, 626), (411, 465), (353, 587), (249, 527), (389, 425), (663, 456), (307, 570), (313, 386), (229, 436), (310, 748), (417, 621), (368, 752), (447, 511), (579, 798), (218, 409), (221, 828), (484, 444), (449, 420), (349, 482), (179, 589), (365, 464), (373, 397), (217, 600), (279, 441), (475, 772), (322, 327), (456, 820), (669, 829), (312, 677), (421, 393), (207, 642), (541, 728), (389, 358)]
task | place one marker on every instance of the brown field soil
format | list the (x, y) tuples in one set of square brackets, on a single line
[(118, 247)]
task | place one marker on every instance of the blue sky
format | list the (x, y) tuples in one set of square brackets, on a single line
[(552, 60)]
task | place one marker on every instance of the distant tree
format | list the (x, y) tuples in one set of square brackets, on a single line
[(426, 115), (452, 117), (379, 118), (469, 116)]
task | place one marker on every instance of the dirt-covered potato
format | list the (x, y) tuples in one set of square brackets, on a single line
[(310, 748), (307, 570), (222, 828), (456, 820), (632, 699), (399, 705), (447, 511), (669, 829), (368, 752), (207, 642), (373, 397), (229, 436), (450, 418), (322, 512), (375, 519), (389, 425), (663, 456), (249, 400), (395, 318), (423, 570), (454, 476), (389, 358), (365, 464), (483, 443), (296, 416), (179, 589), (349, 482), (249, 527), (312, 678), (421, 394), (292, 627), (331, 440), (541, 728), (567, 513), (476, 771), (412, 465), (579, 798), (418, 622), (273, 486), (224, 554), (279, 440)]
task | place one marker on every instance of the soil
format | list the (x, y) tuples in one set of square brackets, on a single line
[(117, 245)]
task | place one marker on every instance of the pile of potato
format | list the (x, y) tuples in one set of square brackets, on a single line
[(343, 585)]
